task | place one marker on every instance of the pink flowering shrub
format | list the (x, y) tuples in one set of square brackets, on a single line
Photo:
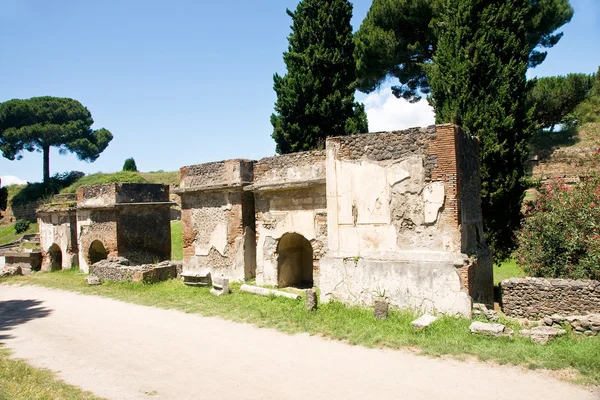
[(560, 237)]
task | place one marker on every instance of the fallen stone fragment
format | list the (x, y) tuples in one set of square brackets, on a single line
[(493, 330), (542, 334), (423, 321), (92, 280), (10, 271), (268, 292), (220, 286)]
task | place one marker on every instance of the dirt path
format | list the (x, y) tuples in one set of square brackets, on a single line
[(125, 351)]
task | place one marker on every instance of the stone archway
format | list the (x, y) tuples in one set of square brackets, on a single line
[(97, 252), (55, 257), (294, 261)]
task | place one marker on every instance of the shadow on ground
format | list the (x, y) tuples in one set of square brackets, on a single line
[(16, 312)]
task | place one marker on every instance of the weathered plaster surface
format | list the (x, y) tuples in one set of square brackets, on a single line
[(427, 286), (395, 202), (218, 233)]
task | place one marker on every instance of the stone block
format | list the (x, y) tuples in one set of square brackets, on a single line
[(268, 292), (380, 308), (542, 334), (92, 280), (493, 330), (423, 321), (220, 286), (311, 300), (199, 278)]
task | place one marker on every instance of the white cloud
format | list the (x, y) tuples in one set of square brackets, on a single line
[(8, 180), (388, 113)]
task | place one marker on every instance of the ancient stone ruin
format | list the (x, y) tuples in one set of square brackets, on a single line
[(128, 220), (393, 214)]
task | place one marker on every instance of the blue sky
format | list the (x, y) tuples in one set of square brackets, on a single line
[(185, 82)]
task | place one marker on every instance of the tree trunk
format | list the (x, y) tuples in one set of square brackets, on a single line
[(552, 128), (46, 151)]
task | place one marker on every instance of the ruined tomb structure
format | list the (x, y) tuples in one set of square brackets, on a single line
[(392, 213), (218, 220), (128, 220), (291, 218), (404, 221), (57, 222)]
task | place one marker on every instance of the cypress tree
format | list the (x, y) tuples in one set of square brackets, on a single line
[(478, 81), (315, 99)]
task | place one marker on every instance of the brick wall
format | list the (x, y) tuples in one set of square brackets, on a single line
[(443, 148)]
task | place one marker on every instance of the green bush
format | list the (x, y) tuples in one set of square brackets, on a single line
[(21, 226), (561, 236), (129, 165)]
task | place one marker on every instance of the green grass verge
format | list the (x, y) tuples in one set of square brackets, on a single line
[(354, 325), (7, 233), (176, 241), (506, 270), (20, 381)]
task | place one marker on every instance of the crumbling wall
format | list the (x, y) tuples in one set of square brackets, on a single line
[(392, 192), (218, 234), (58, 227), (128, 219), (57, 224), (218, 219), (289, 191), (395, 212)]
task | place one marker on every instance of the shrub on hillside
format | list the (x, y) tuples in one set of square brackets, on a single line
[(560, 237), (21, 226), (35, 191)]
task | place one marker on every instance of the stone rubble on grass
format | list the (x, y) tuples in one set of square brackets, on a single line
[(423, 321), (10, 271), (268, 292), (588, 325), (481, 309), (542, 334), (493, 330), (220, 286), (92, 280)]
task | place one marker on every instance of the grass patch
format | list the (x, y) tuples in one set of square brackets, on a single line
[(354, 325), (101, 178), (176, 241), (506, 270), (166, 178), (7, 233), (20, 381)]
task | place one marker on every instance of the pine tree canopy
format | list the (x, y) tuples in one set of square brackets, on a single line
[(39, 123), (398, 39)]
